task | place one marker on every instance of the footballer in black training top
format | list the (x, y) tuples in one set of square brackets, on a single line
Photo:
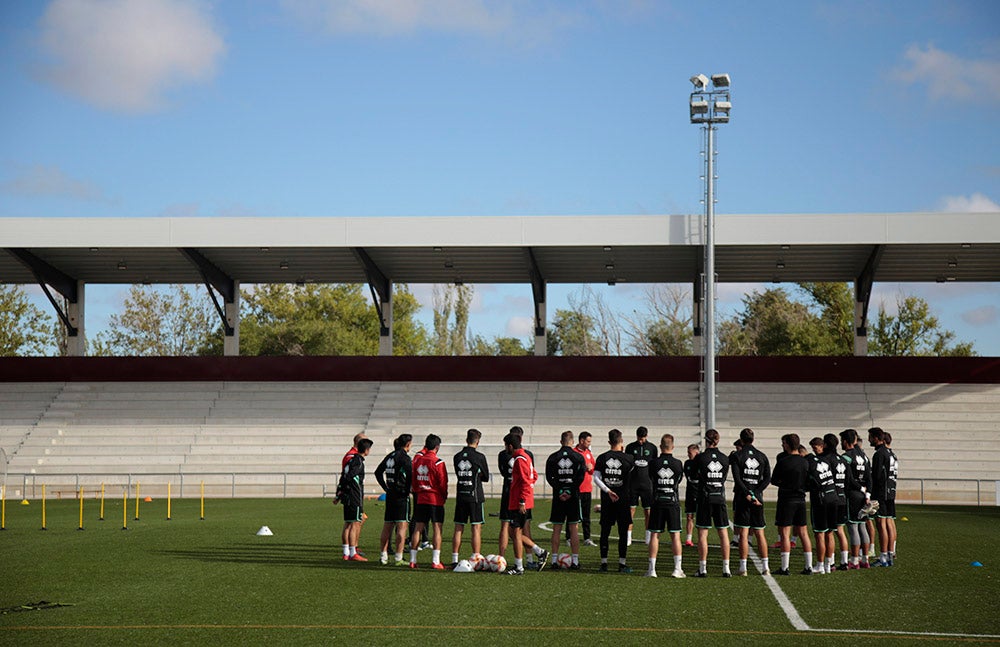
[(642, 452)]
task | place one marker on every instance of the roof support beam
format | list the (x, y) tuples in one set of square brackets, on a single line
[(862, 298), (381, 289), (226, 286), (47, 275), (538, 295)]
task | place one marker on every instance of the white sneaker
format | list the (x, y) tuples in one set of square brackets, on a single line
[(741, 573), (383, 560), (650, 574), (589, 542), (678, 573)]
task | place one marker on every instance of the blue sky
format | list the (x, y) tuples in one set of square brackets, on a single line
[(417, 107)]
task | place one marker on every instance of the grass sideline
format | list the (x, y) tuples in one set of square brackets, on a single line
[(214, 581)]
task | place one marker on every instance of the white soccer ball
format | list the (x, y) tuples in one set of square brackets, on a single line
[(478, 562), (489, 563), (564, 560), (500, 564)]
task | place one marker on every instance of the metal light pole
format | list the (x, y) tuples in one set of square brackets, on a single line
[(710, 105)]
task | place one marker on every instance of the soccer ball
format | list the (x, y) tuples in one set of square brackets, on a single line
[(564, 560), (478, 562), (488, 563), (499, 565)]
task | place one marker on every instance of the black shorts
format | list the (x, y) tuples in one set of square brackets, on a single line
[(790, 513), (824, 517), (505, 512), (841, 516), (426, 513), (886, 509), (614, 513), (518, 519), (565, 512), (469, 512), (711, 515), (352, 513), (397, 509), (665, 518), (690, 502), (748, 515), (645, 495)]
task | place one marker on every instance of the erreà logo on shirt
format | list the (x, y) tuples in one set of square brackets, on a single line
[(752, 463), (422, 473), (565, 463), (464, 465), (715, 469), (390, 463), (665, 473), (614, 463)]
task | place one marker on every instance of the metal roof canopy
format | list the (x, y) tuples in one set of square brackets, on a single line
[(913, 247)]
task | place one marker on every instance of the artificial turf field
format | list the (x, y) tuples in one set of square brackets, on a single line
[(213, 581)]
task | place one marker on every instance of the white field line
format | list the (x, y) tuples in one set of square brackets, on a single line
[(797, 621)]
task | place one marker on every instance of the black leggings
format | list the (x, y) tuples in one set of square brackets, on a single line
[(622, 538)]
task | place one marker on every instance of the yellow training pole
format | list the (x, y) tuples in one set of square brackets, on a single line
[(43, 507), (102, 502), (137, 500), (168, 500), (81, 509), (203, 500), (3, 507), (125, 508)]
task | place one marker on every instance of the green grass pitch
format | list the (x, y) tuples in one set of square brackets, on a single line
[(188, 581)]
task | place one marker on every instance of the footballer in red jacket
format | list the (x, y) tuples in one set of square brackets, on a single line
[(522, 496), (430, 485)]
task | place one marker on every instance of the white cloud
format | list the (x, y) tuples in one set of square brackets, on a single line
[(982, 316), (125, 54), (41, 180), (975, 203), (948, 75), (520, 327)]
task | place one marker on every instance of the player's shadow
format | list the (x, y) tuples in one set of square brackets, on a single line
[(302, 555)]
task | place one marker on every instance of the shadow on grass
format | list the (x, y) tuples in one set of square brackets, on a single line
[(303, 555)]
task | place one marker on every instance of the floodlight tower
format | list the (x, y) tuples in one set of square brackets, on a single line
[(710, 105)]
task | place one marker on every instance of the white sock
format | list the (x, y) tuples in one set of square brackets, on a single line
[(767, 566), (604, 560), (702, 567), (843, 556), (725, 566), (435, 557), (413, 556), (652, 564), (809, 560), (385, 555), (537, 550), (785, 558), (677, 562), (628, 539), (647, 537), (519, 564), (353, 550), (454, 557), (743, 565), (347, 550), (576, 558), (688, 538), (399, 557), (884, 557)]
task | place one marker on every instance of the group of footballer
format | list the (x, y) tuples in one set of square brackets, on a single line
[(850, 498)]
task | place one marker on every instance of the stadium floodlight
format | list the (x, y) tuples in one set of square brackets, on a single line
[(699, 81), (710, 106), (720, 80)]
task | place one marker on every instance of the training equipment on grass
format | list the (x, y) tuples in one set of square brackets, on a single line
[(464, 566), (102, 503), (125, 508), (498, 564), (3, 507), (564, 560), (265, 532), (137, 500), (43, 507), (478, 562), (203, 500), (977, 564), (81, 509), (168, 500)]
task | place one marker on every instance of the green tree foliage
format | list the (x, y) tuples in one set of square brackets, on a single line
[(451, 335), (835, 304), (771, 323), (498, 346), (158, 323), (318, 319), (24, 329), (914, 331), (573, 333), (664, 327)]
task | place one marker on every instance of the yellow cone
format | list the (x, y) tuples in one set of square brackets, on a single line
[(903, 519), (25, 502)]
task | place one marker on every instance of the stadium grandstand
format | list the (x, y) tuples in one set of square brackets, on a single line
[(278, 426)]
